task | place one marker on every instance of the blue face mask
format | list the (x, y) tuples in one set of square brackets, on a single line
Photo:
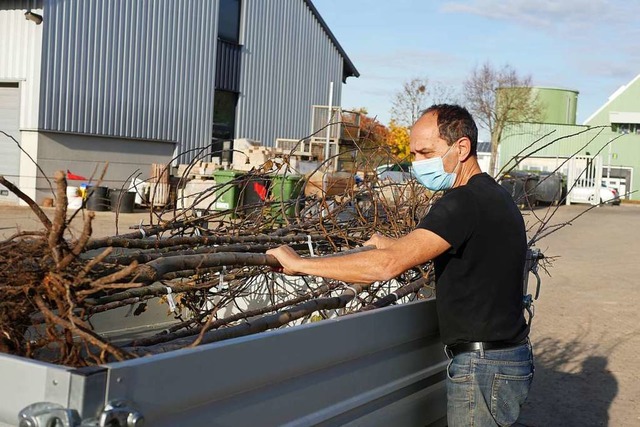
[(431, 174)]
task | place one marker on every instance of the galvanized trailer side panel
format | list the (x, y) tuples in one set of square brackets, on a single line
[(25, 382), (383, 367), (374, 368)]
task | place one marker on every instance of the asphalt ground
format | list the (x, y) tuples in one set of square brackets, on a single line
[(585, 333), (21, 218)]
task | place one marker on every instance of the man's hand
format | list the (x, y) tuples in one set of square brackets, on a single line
[(379, 241), (288, 258)]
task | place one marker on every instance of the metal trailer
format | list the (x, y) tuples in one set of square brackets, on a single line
[(381, 367)]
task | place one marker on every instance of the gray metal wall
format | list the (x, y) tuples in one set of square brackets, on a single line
[(130, 69), (287, 64), (88, 155), (20, 55), (20, 52)]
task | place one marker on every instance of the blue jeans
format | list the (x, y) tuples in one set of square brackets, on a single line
[(488, 388)]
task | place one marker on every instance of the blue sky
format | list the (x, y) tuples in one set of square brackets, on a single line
[(586, 45)]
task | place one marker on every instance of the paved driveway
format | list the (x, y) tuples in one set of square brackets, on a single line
[(21, 218), (586, 333)]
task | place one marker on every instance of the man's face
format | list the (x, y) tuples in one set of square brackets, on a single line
[(425, 142)]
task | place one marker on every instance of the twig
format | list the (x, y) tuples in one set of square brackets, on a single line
[(87, 335), (80, 244), (92, 263), (272, 321)]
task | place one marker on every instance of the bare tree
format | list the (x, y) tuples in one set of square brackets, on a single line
[(439, 93), (415, 96), (498, 97), (408, 103)]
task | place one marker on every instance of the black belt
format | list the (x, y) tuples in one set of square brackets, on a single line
[(465, 347)]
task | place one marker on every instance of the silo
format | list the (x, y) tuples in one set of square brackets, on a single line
[(558, 105)]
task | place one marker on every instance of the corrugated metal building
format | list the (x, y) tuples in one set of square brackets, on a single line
[(134, 83)]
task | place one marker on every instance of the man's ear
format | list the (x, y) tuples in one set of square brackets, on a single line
[(464, 149)]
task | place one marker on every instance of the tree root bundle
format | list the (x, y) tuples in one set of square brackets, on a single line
[(212, 267)]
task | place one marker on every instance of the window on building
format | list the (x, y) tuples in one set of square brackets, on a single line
[(224, 122), (224, 114), (229, 21)]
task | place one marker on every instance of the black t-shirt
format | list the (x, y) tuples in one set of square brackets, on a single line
[(479, 279)]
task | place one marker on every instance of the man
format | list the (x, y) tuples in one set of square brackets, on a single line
[(476, 237)]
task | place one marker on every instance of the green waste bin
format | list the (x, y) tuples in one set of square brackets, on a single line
[(285, 189), (254, 190), (226, 193)]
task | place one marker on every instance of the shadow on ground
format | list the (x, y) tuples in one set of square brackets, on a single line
[(572, 385)]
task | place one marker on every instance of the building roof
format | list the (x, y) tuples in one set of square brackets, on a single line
[(612, 98), (349, 69), (561, 89)]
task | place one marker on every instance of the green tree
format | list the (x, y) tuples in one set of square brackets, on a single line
[(399, 141)]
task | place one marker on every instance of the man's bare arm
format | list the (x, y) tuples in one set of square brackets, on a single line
[(415, 248)]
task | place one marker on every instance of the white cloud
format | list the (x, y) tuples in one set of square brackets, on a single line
[(568, 15), (617, 71), (408, 61), (395, 67)]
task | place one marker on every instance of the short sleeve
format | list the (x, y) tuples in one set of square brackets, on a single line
[(452, 218)]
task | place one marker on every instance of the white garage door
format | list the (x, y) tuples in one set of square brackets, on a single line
[(9, 151)]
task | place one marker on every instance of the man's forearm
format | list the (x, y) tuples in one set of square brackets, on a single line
[(416, 248), (362, 267)]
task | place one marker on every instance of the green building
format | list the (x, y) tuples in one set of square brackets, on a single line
[(611, 135)]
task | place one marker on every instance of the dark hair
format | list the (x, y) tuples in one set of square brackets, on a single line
[(455, 122)]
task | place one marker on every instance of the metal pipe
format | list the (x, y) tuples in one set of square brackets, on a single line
[(327, 152)]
